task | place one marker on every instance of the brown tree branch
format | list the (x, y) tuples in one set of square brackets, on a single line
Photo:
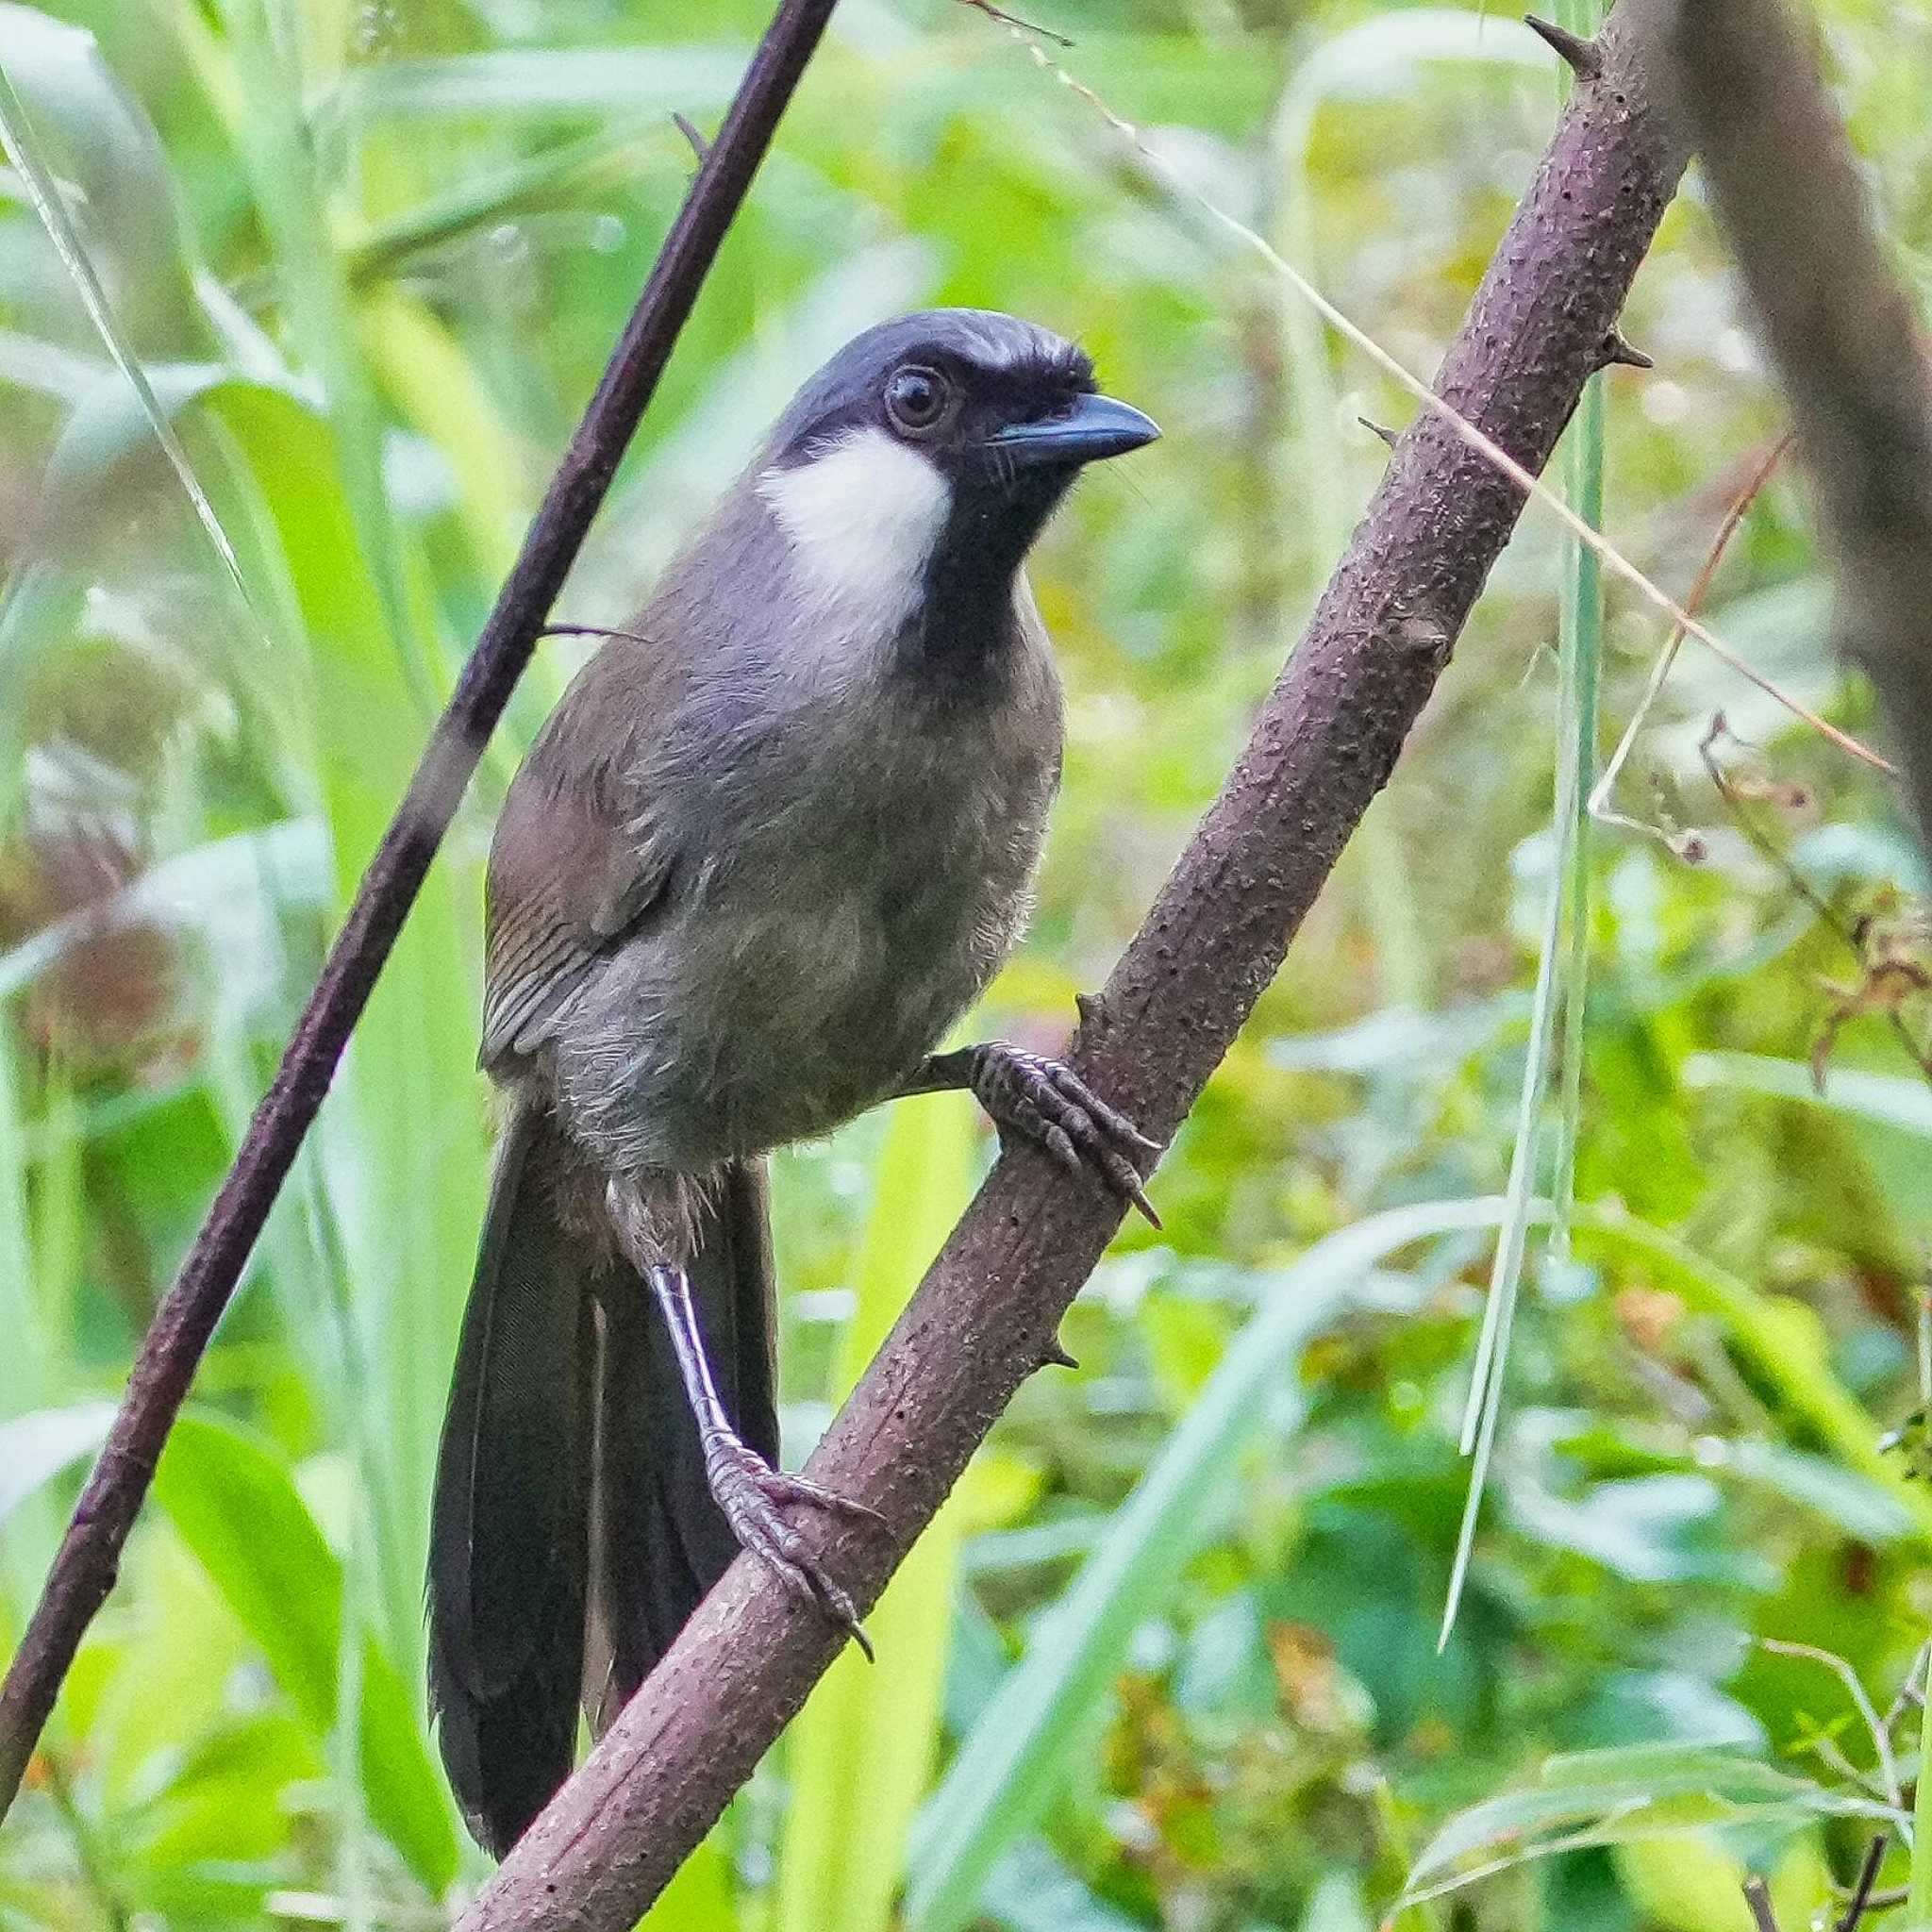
[(1323, 745), (1840, 329), (85, 1567)]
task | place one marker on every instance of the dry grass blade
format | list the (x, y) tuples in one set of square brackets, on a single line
[(1734, 521)]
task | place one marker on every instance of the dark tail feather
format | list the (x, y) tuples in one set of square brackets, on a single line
[(508, 1531), (659, 1541)]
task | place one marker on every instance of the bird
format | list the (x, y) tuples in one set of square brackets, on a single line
[(773, 840)]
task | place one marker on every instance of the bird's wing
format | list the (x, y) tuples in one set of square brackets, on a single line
[(578, 864)]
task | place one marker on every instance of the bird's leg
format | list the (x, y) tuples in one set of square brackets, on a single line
[(750, 1493), (1044, 1101)]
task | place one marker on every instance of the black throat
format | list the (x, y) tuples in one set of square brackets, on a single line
[(961, 632)]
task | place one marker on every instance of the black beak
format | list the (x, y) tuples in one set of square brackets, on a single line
[(1094, 427)]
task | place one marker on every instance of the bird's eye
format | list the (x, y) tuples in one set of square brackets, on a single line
[(917, 399)]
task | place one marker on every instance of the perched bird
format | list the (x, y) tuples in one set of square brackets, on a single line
[(775, 840)]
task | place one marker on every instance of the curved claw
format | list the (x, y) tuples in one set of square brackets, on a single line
[(1049, 1104), (751, 1493)]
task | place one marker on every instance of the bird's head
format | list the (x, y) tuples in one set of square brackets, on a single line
[(925, 457)]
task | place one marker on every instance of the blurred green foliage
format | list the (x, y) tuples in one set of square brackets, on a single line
[(332, 281)]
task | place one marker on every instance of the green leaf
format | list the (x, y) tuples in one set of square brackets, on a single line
[(861, 1753), (1691, 1881), (1626, 1794), (1032, 1891), (102, 147), (1891, 1100), (1854, 1502), (1009, 1767), (634, 81), (238, 1510), (36, 1447)]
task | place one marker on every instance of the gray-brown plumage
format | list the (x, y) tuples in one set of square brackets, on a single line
[(769, 847)]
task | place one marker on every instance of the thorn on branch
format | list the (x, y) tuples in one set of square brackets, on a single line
[(1056, 1356), (1617, 351), (699, 145), (1579, 55), (1380, 430), (1014, 19)]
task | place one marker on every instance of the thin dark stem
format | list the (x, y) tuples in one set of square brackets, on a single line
[(1868, 1877), (1763, 1913), (1324, 744), (84, 1570)]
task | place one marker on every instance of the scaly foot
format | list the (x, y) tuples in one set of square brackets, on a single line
[(754, 1496), (1047, 1103)]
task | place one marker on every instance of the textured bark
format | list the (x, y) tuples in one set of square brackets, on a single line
[(1324, 744), (90, 1553), (1842, 331)]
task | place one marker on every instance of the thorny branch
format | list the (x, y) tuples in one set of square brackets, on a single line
[(1324, 743), (85, 1567)]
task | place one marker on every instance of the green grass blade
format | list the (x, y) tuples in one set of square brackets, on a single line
[(633, 81), (274, 138), (1890, 1100), (1006, 1769), (239, 1512), (39, 1334), (1505, 1275), (29, 1348), (859, 1755), (1316, 471), (1918, 1894), (47, 368), (602, 161), (1562, 962), (1784, 1342), (1582, 660), (16, 135)]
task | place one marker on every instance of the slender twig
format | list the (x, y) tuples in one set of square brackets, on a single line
[(1324, 744), (1762, 843), (85, 1568), (1861, 1891), (1014, 19), (1889, 1900), (1908, 1690), (1763, 1913)]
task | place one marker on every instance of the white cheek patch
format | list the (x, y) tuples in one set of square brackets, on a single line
[(863, 516)]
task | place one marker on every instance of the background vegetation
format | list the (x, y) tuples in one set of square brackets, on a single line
[(1171, 1658)]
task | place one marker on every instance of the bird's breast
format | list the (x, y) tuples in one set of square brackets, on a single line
[(861, 863)]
